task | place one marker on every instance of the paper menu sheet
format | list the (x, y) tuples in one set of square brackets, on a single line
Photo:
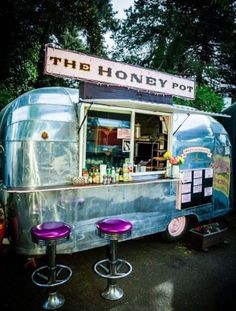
[(197, 189), (209, 172), (207, 191), (186, 198), (197, 181), (197, 174), (186, 188), (187, 176)]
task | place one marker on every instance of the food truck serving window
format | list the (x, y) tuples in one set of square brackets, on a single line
[(114, 142), (150, 141), (108, 138)]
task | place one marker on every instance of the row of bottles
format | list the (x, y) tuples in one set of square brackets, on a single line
[(105, 174)]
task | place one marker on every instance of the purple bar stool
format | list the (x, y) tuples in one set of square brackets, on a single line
[(113, 268), (50, 234)]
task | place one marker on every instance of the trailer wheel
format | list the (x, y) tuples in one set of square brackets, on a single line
[(176, 229)]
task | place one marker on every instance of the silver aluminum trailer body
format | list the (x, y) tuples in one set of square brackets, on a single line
[(41, 150)]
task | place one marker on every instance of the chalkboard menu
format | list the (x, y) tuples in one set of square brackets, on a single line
[(196, 188)]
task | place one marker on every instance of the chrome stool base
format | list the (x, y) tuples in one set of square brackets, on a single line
[(113, 268), (50, 234), (112, 292), (54, 301)]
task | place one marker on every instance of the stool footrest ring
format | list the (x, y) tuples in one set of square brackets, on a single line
[(113, 270), (42, 276)]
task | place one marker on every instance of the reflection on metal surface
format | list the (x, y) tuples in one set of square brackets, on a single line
[(82, 208), (37, 171), (44, 159)]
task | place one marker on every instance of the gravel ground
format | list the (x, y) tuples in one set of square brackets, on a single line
[(165, 277)]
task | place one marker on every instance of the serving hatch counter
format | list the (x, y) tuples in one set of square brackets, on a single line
[(88, 186)]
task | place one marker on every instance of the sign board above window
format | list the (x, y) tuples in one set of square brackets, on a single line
[(84, 67)]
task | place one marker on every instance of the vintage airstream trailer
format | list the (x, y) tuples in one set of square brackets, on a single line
[(49, 136)]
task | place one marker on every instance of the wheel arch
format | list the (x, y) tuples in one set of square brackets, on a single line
[(184, 222)]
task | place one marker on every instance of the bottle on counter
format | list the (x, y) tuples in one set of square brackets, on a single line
[(108, 170), (125, 172), (103, 172), (97, 176), (117, 175), (94, 176), (85, 175), (121, 177), (90, 177), (113, 175), (130, 171)]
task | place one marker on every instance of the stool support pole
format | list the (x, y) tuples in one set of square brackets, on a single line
[(113, 291), (112, 267), (52, 275), (113, 258), (51, 255), (54, 300)]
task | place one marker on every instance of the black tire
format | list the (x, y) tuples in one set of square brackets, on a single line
[(176, 229)]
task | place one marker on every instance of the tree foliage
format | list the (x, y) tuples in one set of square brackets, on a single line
[(26, 26), (190, 38), (206, 99)]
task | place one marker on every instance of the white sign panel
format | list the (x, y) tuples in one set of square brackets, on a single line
[(187, 176), (209, 172), (125, 145), (186, 188), (197, 181), (123, 133), (197, 174), (207, 151), (85, 67), (207, 191), (186, 198), (197, 189)]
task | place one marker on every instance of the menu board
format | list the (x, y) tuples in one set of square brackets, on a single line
[(196, 188)]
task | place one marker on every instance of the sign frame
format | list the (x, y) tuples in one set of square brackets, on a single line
[(84, 67)]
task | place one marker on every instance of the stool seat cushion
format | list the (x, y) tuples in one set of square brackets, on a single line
[(51, 230), (114, 226)]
